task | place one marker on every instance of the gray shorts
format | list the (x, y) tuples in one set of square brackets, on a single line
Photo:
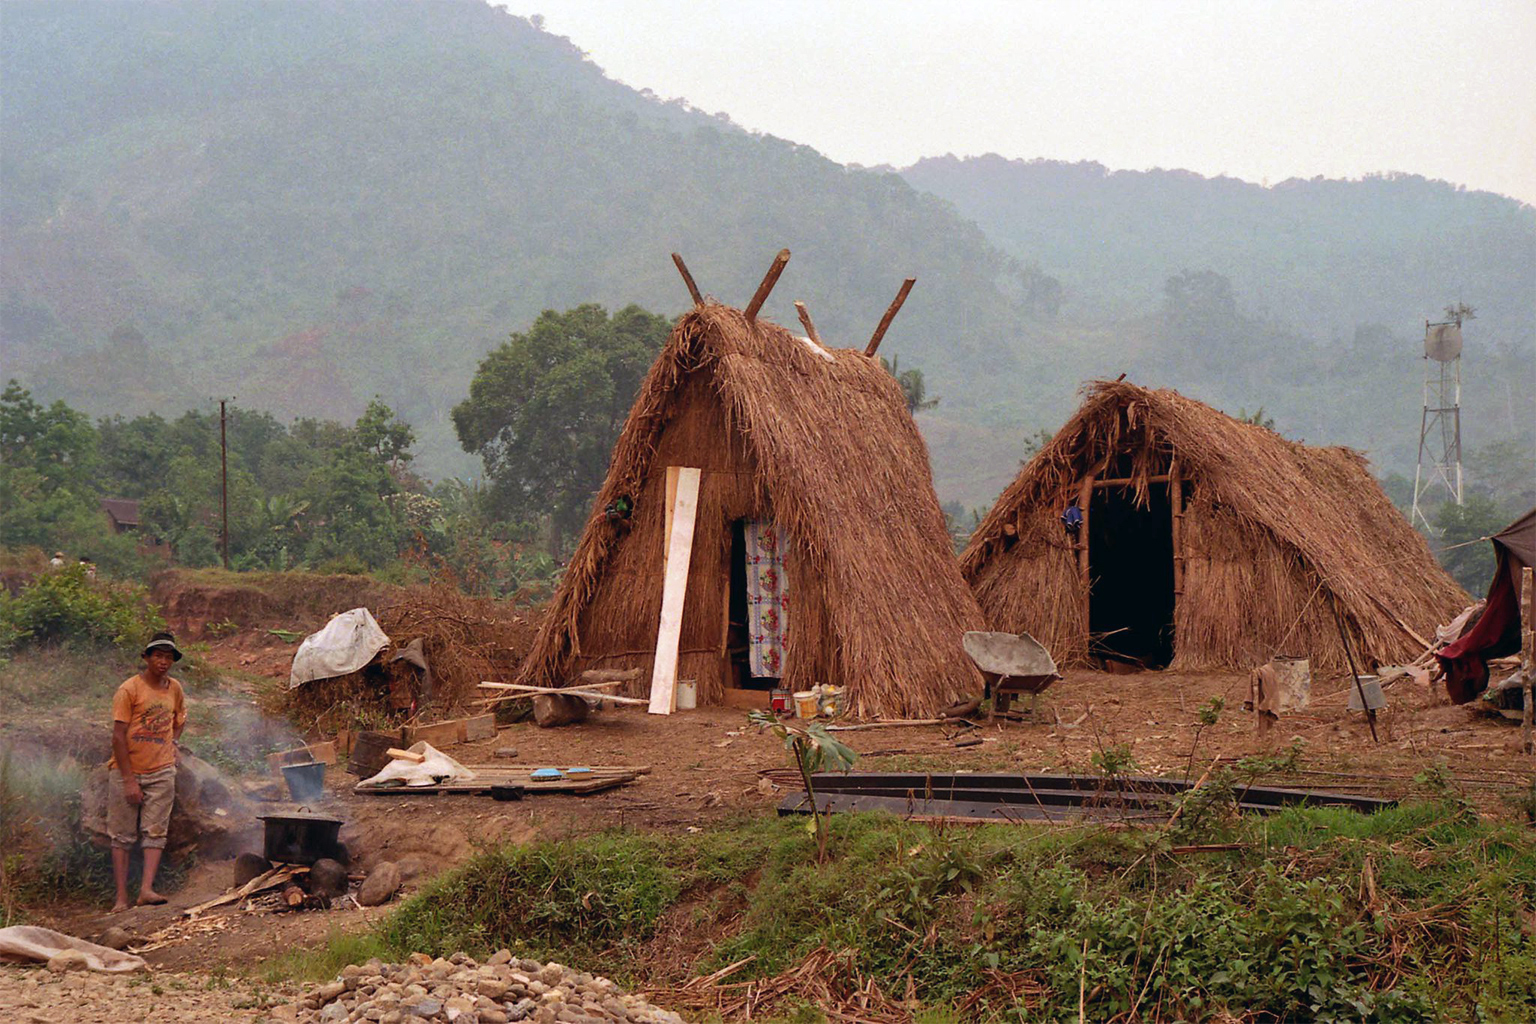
[(147, 823)]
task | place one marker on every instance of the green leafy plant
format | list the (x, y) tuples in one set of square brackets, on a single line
[(812, 749), (68, 606)]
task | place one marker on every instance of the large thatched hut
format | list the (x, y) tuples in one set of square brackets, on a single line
[(815, 506), (1207, 542)]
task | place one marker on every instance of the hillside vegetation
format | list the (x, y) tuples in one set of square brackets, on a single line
[(309, 205)]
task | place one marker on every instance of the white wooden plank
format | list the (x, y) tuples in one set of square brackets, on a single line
[(673, 592)]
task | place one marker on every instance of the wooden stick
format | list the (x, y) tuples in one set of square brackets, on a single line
[(524, 690), (1127, 481), (1403, 625), (693, 289), (805, 321), (895, 724), (769, 280), (1084, 500), (405, 755), (1370, 712), (890, 314), (268, 880)]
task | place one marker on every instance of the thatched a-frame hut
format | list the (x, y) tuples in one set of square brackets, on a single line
[(815, 441), (1209, 543)]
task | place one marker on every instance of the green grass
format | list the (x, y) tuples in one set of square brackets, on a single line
[(1282, 928)]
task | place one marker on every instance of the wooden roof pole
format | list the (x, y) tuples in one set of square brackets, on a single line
[(890, 314), (805, 321), (769, 280), (693, 289)]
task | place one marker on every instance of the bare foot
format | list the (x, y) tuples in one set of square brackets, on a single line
[(120, 906), (150, 898)]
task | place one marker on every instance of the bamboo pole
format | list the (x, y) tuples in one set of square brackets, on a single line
[(693, 289), (1176, 504), (769, 280), (890, 314), (1528, 653)]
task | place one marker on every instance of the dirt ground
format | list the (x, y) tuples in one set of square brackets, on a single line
[(709, 764)]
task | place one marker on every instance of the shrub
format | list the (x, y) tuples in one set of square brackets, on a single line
[(66, 606)]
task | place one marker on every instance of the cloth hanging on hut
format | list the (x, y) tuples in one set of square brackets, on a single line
[(767, 599)]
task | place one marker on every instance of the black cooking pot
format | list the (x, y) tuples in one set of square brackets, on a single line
[(301, 838)]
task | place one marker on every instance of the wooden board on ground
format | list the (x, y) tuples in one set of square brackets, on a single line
[(489, 776), (679, 554), (455, 730)]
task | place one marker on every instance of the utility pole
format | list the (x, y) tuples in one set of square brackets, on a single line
[(224, 481)]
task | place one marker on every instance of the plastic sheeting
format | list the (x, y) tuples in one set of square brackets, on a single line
[(30, 944), (434, 768), (347, 643)]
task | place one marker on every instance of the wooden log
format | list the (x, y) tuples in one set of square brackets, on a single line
[(556, 709), (805, 321), (609, 676), (405, 755), (890, 314), (293, 896), (769, 280), (893, 724), (1130, 481), (693, 289)]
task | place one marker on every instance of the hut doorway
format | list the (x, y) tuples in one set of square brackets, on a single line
[(755, 619), (1130, 561)]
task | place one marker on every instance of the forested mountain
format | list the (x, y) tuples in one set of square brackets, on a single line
[(306, 205)]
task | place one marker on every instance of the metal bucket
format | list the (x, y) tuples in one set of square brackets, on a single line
[(1293, 677), (1374, 698), (306, 782)]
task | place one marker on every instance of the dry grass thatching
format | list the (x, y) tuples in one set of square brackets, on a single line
[(1273, 530), (818, 440), (466, 640)]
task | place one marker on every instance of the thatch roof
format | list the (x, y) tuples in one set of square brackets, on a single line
[(1273, 530), (821, 441)]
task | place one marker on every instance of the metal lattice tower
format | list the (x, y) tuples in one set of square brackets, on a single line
[(1440, 427)]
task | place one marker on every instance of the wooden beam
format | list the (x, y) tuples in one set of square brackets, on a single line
[(890, 314), (675, 591), (1084, 500), (514, 690), (666, 530), (1130, 481), (805, 321), (769, 280), (693, 289)]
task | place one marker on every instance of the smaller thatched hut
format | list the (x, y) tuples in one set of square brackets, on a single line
[(1207, 543), (815, 505)]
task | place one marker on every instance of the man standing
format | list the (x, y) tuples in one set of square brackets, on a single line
[(148, 714)]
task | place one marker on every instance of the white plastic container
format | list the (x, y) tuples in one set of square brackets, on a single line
[(687, 694)]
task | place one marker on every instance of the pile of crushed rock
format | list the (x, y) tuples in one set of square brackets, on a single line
[(461, 991)]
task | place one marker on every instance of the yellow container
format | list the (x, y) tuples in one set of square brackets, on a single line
[(805, 703)]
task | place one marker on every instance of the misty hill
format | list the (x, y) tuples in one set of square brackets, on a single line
[(304, 205)]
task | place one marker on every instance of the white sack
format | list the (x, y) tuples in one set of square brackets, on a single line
[(29, 944), (436, 767), (347, 643)]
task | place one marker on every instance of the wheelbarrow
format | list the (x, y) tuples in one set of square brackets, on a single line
[(1011, 663)]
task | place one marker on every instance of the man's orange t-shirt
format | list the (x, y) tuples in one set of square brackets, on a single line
[(153, 716)]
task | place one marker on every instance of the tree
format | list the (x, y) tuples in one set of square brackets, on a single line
[(545, 408), (47, 458), (1460, 547), (385, 435), (912, 387)]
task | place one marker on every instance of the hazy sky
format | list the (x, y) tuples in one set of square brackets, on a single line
[(1261, 91)]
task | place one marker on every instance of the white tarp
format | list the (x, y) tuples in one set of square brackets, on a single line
[(347, 643), (435, 767), (29, 944)]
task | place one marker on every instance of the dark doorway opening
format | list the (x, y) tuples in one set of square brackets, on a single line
[(738, 629), (1130, 561)]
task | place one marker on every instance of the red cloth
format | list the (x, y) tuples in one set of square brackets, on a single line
[(1497, 633)]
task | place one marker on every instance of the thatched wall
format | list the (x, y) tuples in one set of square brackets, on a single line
[(821, 442), (1274, 531)]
